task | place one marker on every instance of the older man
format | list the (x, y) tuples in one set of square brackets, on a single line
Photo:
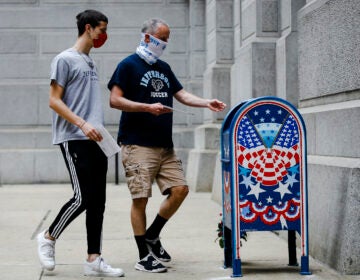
[(143, 87)]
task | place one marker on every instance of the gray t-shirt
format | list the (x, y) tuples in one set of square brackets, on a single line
[(82, 94)]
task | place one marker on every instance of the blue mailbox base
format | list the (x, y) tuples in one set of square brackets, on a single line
[(237, 272), (236, 263), (237, 268), (305, 266)]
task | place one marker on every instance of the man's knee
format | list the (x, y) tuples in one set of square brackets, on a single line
[(180, 192)]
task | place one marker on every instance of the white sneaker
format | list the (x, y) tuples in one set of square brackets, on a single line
[(46, 251), (100, 268)]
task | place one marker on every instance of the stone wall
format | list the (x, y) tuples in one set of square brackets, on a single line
[(329, 100), (34, 31), (307, 53)]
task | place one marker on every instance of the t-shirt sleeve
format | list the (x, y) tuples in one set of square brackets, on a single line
[(59, 71), (119, 77)]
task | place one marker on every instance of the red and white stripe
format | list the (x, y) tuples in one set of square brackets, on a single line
[(268, 166)]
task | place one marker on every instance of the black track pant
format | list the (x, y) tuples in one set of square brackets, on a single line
[(87, 166)]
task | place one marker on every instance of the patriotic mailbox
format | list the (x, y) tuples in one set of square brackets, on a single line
[(263, 154)]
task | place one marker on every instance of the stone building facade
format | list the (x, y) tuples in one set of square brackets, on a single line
[(305, 51)]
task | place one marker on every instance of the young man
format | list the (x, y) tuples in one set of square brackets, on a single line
[(141, 86), (75, 97)]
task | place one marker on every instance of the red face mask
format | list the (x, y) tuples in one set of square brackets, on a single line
[(100, 40)]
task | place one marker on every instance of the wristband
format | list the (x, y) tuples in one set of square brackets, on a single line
[(82, 124)]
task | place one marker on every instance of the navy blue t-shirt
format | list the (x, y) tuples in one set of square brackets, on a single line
[(145, 83)]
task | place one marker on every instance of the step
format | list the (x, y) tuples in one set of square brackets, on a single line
[(38, 137), (28, 156)]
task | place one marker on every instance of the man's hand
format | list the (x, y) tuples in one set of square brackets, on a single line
[(158, 109), (91, 132), (216, 105)]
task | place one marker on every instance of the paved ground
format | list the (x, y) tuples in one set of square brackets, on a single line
[(189, 237)]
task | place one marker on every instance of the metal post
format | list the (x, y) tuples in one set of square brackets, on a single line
[(292, 248), (227, 248), (117, 169)]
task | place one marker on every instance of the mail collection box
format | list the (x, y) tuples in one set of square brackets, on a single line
[(264, 176)]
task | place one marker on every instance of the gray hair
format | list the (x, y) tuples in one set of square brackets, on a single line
[(151, 25)]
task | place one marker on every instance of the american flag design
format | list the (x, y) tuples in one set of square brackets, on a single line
[(263, 154), (268, 157)]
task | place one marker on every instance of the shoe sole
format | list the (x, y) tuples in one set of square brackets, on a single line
[(47, 268), (158, 270)]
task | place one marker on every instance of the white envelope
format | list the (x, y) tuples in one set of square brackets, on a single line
[(107, 144)]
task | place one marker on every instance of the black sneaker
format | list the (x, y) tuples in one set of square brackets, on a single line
[(150, 264), (157, 250)]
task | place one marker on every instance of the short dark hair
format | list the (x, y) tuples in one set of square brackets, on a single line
[(91, 17)]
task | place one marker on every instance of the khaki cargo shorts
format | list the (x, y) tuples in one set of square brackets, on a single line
[(143, 165)]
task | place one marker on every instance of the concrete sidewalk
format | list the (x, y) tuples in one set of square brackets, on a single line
[(188, 237)]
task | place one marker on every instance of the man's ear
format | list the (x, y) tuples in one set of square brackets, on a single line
[(147, 38), (87, 27)]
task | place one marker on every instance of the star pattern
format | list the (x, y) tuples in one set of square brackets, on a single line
[(247, 182), (256, 190), (283, 189), (291, 179)]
